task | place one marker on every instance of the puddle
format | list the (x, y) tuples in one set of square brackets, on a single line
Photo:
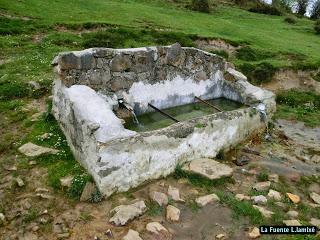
[(155, 120)]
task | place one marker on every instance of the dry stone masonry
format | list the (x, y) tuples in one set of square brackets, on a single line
[(89, 84)]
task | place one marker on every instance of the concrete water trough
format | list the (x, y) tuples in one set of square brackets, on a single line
[(96, 88)]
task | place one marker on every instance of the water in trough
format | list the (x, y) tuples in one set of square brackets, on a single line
[(155, 120)]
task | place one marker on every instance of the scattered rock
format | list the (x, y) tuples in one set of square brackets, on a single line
[(315, 158), (266, 213), (32, 163), (262, 186), (29, 236), (32, 150), (294, 198), (160, 198), (209, 168), (34, 85), (11, 168), (44, 196), (281, 204), (273, 178), (158, 231), (243, 160), (291, 223), (109, 233), (173, 213), (260, 199), (132, 235), (272, 194), (255, 233), (19, 182), (315, 222), (2, 217), (204, 200), (45, 136), (87, 192), (292, 214), (66, 181), (63, 235), (220, 236), (174, 194), (41, 190), (242, 197), (124, 213), (315, 197)]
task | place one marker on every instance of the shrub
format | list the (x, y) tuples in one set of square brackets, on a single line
[(290, 20), (221, 53), (301, 7), (259, 73), (316, 77), (249, 54), (200, 6), (264, 8), (317, 27), (315, 10), (77, 185), (295, 98)]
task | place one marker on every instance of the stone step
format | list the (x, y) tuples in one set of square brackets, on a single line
[(208, 168)]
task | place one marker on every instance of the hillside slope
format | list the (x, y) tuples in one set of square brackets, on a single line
[(269, 33)]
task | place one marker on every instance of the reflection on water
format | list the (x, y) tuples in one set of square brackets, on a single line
[(155, 120)]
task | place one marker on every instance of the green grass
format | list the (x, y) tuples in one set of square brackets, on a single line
[(263, 32), (299, 105), (154, 209), (241, 208)]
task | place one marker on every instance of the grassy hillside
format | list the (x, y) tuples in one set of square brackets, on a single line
[(269, 33)]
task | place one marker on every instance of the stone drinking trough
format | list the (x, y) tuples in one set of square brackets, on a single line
[(91, 83)]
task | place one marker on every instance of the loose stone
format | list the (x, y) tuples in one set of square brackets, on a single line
[(272, 194), (255, 233), (132, 235), (262, 186), (160, 198), (173, 213), (125, 213), (204, 200), (294, 198)]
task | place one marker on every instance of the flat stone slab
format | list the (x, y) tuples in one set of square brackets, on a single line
[(32, 150), (208, 168), (125, 213)]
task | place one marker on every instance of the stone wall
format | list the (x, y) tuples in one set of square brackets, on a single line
[(85, 97)]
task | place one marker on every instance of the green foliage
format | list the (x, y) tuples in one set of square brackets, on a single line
[(15, 26), (259, 73), (221, 53), (315, 10), (125, 37), (263, 176), (200, 6), (316, 76), (264, 8), (299, 105), (96, 196), (290, 20), (31, 215), (295, 98), (317, 27), (200, 125), (78, 184), (13, 89), (241, 208), (154, 209), (247, 53)]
